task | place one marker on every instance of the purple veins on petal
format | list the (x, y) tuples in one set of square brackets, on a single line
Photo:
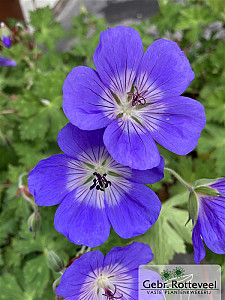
[(136, 97), (115, 276), (94, 191)]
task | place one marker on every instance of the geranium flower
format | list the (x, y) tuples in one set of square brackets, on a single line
[(96, 277), (6, 41), (210, 225), (137, 97), (5, 35), (6, 62), (95, 191)]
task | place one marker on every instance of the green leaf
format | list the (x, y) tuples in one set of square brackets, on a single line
[(10, 288), (36, 274), (169, 234), (212, 143)]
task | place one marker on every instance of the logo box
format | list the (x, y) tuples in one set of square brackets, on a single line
[(180, 282)]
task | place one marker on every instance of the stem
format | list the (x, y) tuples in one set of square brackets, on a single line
[(20, 185), (9, 111), (54, 284), (180, 179)]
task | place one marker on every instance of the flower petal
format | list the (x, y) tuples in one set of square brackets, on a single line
[(87, 103), (73, 280), (149, 176), (134, 145), (81, 217), (219, 185), (175, 123), (131, 208), (198, 245), (211, 221), (124, 256), (6, 62), (117, 58), (54, 178), (120, 263), (84, 145), (164, 71)]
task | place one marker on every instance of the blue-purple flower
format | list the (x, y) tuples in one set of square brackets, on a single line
[(96, 277), (210, 225), (5, 35), (6, 41), (136, 97), (94, 191), (6, 62)]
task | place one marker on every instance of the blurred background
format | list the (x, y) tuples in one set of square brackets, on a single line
[(40, 42)]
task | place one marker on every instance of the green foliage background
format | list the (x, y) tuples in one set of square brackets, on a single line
[(33, 92)]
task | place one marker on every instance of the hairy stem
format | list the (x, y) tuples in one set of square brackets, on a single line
[(180, 179)]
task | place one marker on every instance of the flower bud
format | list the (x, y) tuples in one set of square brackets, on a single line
[(193, 207), (54, 261), (83, 10), (34, 222)]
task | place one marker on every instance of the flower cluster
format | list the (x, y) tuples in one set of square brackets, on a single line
[(118, 113)]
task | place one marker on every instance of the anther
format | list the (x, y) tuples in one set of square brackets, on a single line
[(100, 182), (137, 97)]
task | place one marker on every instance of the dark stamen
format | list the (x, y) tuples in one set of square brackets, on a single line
[(137, 97), (100, 182), (110, 295)]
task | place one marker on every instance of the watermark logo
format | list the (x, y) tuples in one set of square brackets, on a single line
[(184, 282)]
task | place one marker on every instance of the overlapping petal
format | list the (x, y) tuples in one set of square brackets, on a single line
[(199, 249), (134, 145), (149, 176), (211, 222), (117, 58), (74, 278), (164, 71), (124, 256), (54, 178), (87, 103), (82, 218), (131, 208), (175, 123), (81, 144), (121, 261)]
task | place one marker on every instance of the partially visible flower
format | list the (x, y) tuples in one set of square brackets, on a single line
[(6, 62), (136, 97), (210, 219), (96, 277), (95, 191), (5, 35)]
